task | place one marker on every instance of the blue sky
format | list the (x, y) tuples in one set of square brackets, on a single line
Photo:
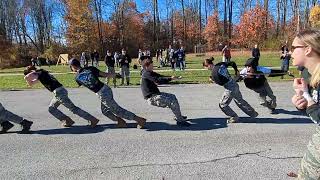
[(144, 5)]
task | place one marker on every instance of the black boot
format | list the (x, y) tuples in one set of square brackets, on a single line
[(5, 126), (25, 124)]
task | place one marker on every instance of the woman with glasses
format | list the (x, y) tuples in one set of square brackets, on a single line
[(306, 53)]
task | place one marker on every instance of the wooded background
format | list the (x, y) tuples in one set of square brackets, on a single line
[(46, 28)]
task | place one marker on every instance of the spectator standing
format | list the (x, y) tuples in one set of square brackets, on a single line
[(256, 55), (285, 57), (95, 58), (180, 58), (110, 63), (116, 58), (172, 59), (125, 60), (226, 53)]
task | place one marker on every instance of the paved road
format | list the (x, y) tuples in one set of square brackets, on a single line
[(265, 148)]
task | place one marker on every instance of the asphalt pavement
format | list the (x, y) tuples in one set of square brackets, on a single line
[(263, 148)]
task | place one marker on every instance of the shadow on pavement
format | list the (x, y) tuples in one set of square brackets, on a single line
[(283, 111), (198, 124), (74, 130), (81, 129), (276, 121)]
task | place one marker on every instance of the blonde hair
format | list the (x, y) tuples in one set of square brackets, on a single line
[(311, 38), (315, 76)]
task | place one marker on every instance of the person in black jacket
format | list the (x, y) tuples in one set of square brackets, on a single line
[(33, 76), (150, 91), (220, 75), (110, 63), (125, 60), (255, 80), (95, 58), (256, 54)]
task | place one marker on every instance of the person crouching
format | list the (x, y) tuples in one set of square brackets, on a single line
[(149, 86)]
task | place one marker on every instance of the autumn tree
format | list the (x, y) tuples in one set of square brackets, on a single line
[(97, 6), (188, 36), (315, 16), (252, 27), (212, 32), (128, 26), (80, 32)]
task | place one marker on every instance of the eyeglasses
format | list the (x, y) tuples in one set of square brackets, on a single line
[(295, 47)]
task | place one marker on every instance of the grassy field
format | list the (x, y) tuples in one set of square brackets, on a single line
[(13, 78)]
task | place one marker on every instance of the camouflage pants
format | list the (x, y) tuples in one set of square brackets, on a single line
[(125, 72), (166, 100), (265, 92), (6, 115), (310, 163), (232, 92), (61, 97), (110, 107)]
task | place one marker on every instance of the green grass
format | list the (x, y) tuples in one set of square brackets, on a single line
[(193, 62)]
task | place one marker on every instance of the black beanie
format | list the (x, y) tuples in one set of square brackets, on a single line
[(250, 62), (74, 62)]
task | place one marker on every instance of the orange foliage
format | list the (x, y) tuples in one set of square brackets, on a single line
[(80, 29), (130, 26), (253, 28), (211, 32), (315, 16), (192, 26), (178, 25)]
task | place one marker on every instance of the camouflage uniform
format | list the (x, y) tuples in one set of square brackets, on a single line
[(61, 97), (166, 100), (6, 115), (263, 93), (110, 107), (232, 92), (310, 163)]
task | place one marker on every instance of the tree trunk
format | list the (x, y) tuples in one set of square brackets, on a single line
[(206, 4), (216, 8), (184, 21), (306, 14), (200, 23), (154, 24), (284, 18), (230, 18), (24, 29), (278, 18), (158, 25), (225, 18), (96, 8), (266, 8)]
